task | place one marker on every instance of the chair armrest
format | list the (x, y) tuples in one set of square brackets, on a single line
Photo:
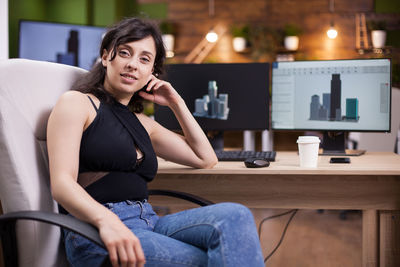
[(64, 221), (185, 196), (8, 234)]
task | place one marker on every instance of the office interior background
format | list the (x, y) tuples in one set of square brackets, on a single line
[(264, 23), (314, 238)]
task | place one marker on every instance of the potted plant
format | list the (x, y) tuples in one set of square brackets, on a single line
[(168, 30), (291, 40), (378, 33), (264, 42), (240, 37)]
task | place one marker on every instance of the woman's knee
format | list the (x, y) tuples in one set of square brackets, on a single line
[(234, 211)]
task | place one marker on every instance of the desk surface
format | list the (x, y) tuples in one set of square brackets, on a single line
[(371, 163), (370, 181)]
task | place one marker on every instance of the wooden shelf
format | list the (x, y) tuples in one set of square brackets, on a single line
[(378, 51)]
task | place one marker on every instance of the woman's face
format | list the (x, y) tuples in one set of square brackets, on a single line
[(131, 68)]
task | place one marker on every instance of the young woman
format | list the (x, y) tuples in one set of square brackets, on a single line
[(102, 155)]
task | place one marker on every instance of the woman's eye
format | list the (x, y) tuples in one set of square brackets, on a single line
[(123, 53), (145, 59)]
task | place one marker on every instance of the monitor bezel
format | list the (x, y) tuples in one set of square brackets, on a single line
[(332, 130)]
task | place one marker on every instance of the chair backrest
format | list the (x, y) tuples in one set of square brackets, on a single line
[(382, 141), (28, 91)]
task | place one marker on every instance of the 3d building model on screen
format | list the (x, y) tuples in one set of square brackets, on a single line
[(71, 57), (331, 109), (211, 106)]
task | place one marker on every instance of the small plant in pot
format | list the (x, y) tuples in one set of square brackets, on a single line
[(291, 40), (168, 30), (240, 37), (378, 33)]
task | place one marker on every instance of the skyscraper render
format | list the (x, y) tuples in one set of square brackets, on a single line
[(331, 109), (336, 94), (73, 46), (211, 106)]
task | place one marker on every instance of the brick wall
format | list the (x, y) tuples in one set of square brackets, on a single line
[(313, 16)]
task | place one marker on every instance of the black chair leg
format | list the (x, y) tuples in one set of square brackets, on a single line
[(9, 244)]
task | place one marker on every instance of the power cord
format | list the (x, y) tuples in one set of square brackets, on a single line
[(294, 211)]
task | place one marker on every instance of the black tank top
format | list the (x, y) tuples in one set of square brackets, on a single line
[(109, 145)]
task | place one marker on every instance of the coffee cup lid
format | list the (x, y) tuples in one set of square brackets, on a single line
[(308, 139)]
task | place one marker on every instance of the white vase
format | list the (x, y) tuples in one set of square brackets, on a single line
[(378, 38), (291, 42), (168, 40), (239, 44)]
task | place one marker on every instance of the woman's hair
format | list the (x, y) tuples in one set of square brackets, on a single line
[(126, 31)]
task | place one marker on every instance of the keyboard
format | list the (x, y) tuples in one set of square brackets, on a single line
[(241, 155)]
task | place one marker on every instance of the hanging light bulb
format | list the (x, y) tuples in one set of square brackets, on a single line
[(332, 32), (212, 36)]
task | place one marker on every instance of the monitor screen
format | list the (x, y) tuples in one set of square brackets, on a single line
[(332, 95), (75, 45), (221, 96)]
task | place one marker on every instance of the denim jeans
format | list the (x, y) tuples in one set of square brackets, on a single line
[(217, 235)]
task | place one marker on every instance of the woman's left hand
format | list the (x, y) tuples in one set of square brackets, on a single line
[(160, 92)]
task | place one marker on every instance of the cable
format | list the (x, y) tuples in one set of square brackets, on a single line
[(294, 211)]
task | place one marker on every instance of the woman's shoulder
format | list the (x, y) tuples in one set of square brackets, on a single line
[(72, 96), (77, 98), (74, 101)]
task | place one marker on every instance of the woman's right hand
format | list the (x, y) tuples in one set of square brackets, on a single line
[(123, 246)]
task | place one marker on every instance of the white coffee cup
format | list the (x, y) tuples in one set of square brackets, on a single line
[(308, 151)]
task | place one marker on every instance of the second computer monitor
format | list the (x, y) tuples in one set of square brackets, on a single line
[(332, 96), (220, 96)]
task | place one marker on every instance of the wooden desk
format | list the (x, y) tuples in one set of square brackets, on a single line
[(370, 183)]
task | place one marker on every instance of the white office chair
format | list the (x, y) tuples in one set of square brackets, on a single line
[(381, 141), (28, 91)]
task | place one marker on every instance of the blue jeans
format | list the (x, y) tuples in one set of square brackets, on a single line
[(217, 235)]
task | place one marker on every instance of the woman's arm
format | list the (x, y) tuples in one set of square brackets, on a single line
[(193, 148), (69, 118)]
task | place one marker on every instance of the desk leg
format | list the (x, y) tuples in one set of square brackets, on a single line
[(389, 238), (370, 238)]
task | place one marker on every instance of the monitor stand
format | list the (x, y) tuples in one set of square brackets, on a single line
[(249, 140), (334, 144), (216, 139)]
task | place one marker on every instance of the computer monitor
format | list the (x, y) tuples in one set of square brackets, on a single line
[(70, 44), (221, 96), (333, 96)]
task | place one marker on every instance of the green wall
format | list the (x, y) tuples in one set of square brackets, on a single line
[(20, 9), (387, 6), (103, 12), (66, 11)]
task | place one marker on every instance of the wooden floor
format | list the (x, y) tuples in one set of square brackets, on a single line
[(312, 239)]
